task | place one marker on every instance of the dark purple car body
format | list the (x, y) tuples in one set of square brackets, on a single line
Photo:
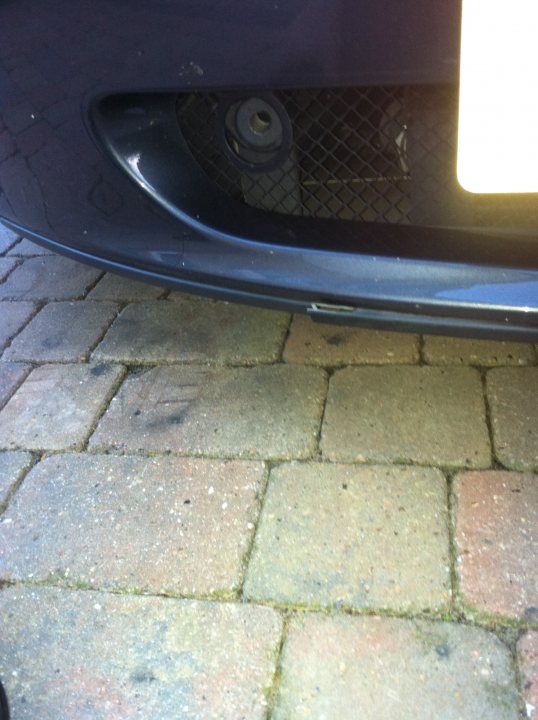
[(100, 159)]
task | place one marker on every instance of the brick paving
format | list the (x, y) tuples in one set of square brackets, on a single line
[(207, 511), (497, 542), (329, 345), (13, 317), (527, 648), (425, 415), (62, 332), (441, 350), (514, 411), (194, 331)]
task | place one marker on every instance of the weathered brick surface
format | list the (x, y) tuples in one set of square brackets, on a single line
[(51, 277), (315, 343), (12, 465), (334, 345), (7, 239), (527, 649), (484, 353), (6, 266), (62, 332), (264, 412), (194, 331), (164, 525), (56, 406), (370, 537), (411, 414), (514, 416), (13, 316), (27, 248), (497, 542), (101, 656), (123, 289), (11, 375), (344, 668)]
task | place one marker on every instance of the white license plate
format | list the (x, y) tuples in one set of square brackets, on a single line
[(498, 114)]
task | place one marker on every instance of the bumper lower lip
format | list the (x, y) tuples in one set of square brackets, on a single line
[(501, 312)]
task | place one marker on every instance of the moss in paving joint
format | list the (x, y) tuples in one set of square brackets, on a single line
[(114, 389), (493, 621), (452, 547), (33, 462), (245, 560), (271, 692)]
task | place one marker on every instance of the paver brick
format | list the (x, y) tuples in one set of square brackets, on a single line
[(123, 289), (7, 238), (6, 266), (424, 415), (344, 668), (11, 375), (314, 343), (362, 537), (62, 332), (527, 649), (514, 416), (484, 353), (265, 412), (56, 406), (194, 331), (497, 541), (12, 465), (51, 277), (68, 654), (27, 248), (13, 316), (164, 525)]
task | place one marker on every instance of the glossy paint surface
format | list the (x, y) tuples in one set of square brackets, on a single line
[(60, 181)]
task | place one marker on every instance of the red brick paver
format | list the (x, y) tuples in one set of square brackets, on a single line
[(165, 525), (497, 542), (57, 406)]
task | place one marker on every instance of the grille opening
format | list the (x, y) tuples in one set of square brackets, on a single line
[(380, 154)]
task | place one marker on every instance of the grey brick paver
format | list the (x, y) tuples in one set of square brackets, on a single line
[(344, 668), (12, 465), (56, 406), (194, 331), (13, 316), (51, 277), (27, 248), (527, 650), (62, 332), (6, 266), (497, 542), (100, 656), (261, 412), (512, 395), (123, 289), (7, 238), (315, 343), (485, 353), (11, 375), (165, 525), (366, 537), (407, 414)]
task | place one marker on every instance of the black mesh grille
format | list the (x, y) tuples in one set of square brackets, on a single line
[(383, 154)]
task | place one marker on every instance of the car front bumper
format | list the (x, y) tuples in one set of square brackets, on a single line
[(71, 74)]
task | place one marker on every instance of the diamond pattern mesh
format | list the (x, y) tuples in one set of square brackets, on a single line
[(382, 154)]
